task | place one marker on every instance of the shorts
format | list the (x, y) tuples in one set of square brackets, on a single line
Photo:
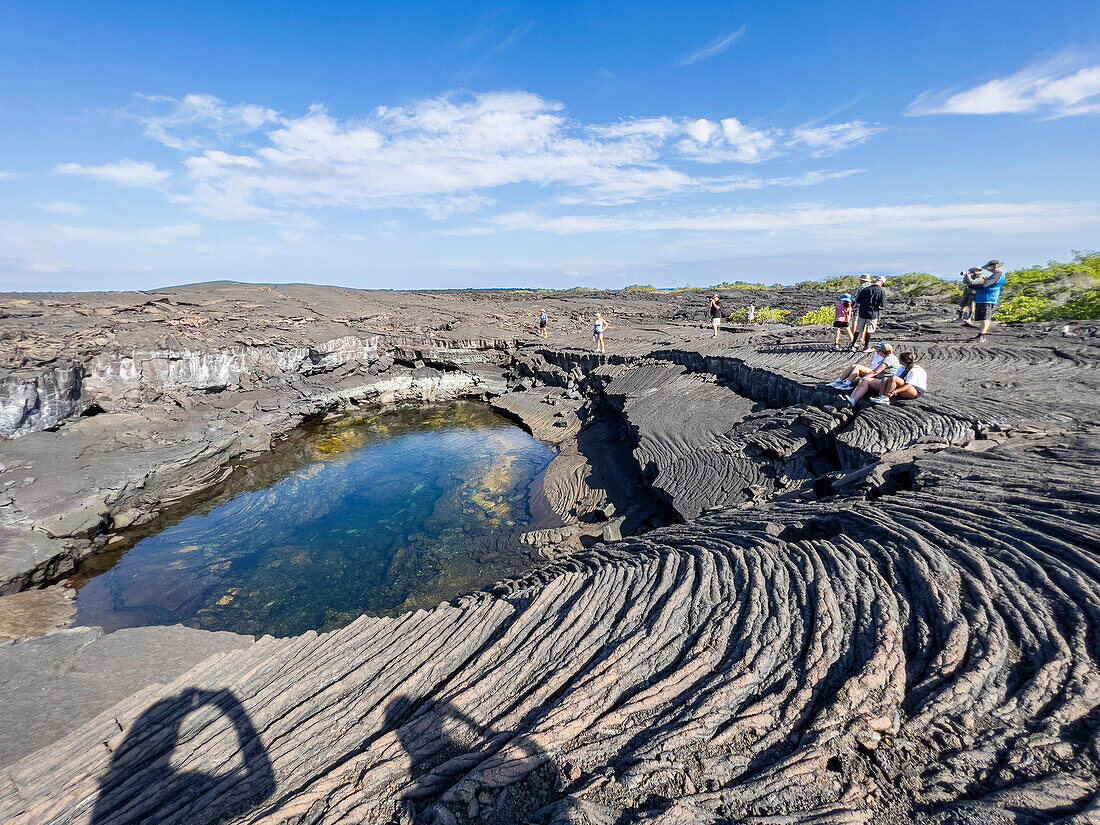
[(983, 312), (840, 324), (870, 324)]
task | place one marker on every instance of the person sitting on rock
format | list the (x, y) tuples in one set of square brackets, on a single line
[(855, 372), (877, 378), (842, 319), (910, 381)]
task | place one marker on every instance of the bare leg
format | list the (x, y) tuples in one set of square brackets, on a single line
[(905, 391), (863, 387), (854, 371)]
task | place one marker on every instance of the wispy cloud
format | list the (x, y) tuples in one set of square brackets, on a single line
[(713, 48), (61, 207), (157, 235), (1056, 88), (6, 175), (1005, 218), (198, 120), (827, 140), (124, 172)]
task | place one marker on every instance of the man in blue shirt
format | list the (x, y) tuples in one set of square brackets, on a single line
[(989, 293)]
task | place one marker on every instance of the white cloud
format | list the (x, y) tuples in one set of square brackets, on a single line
[(61, 207), (124, 172), (827, 140), (158, 235), (19, 266), (192, 123), (447, 155), (1005, 218), (715, 47), (6, 175), (1056, 88)]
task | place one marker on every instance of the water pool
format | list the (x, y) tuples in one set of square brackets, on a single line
[(377, 513)]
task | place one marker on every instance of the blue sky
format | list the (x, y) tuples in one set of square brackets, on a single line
[(459, 144)]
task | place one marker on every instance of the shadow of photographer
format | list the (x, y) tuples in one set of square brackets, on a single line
[(143, 786), (462, 771)]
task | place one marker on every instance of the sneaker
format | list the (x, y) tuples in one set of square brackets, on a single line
[(837, 347), (881, 400), (981, 336), (844, 386), (851, 403), (868, 348)]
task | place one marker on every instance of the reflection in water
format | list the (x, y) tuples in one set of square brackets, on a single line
[(378, 513)]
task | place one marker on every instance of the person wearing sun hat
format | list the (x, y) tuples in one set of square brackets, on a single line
[(870, 300), (842, 319), (988, 294), (877, 378)]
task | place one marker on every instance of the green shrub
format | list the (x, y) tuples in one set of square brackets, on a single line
[(1024, 308), (737, 285), (640, 288), (841, 283), (1084, 306), (923, 285), (764, 315), (1054, 292), (819, 317)]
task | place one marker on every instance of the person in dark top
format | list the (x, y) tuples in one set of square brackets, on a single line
[(543, 321), (869, 303), (715, 312), (966, 301)]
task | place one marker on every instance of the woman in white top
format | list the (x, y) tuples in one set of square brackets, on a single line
[(910, 382)]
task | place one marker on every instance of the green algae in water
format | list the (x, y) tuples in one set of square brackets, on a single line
[(379, 514)]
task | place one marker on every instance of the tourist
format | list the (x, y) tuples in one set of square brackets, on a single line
[(910, 381), (752, 313), (854, 373), (989, 293), (602, 324), (875, 380), (966, 301), (543, 321), (870, 301), (842, 319), (715, 312)]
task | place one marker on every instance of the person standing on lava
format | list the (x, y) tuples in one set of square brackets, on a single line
[(601, 325), (715, 312)]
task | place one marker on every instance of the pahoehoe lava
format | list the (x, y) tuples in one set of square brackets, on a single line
[(888, 615)]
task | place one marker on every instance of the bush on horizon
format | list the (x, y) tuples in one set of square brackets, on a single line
[(1055, 292), (822, 316), (729, 287), (764, 315), (640, 288)]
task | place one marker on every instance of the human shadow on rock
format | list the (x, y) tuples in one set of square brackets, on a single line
[(445, 746), (142, 786)]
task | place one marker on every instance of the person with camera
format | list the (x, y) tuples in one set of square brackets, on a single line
[(988, 284)]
